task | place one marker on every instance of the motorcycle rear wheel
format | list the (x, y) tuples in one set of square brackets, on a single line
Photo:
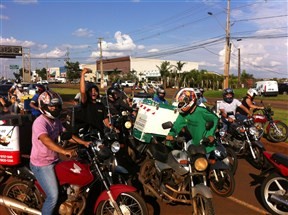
[(225, 185), (276, 136), (204, 205), (129, 203), (21, 191), (277, 185)]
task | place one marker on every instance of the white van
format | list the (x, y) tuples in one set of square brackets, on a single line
[(267, 88)]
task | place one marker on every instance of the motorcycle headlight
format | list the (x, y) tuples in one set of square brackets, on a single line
[(115, 147), (222, 133), (128, 124), (253, 131), (201, 164)]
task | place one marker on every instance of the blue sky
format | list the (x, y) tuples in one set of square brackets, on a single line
[(168, 30)]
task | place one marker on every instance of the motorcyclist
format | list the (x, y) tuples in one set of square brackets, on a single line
[(228, 106), (194, 118), (94, 111), (247, 101), (201, 99), (121, 94), (45, 151), (160, 96), (35, 109)]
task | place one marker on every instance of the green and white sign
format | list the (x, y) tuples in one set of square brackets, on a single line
[(14, 67)]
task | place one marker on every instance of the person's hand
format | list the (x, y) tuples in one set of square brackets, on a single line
[(69, 153), (85, 70), (169, 137), (86, 143)]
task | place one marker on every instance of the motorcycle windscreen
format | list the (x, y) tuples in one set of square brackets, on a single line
[(73, 172)]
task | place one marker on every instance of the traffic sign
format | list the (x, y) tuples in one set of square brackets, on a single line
[(14, 67)]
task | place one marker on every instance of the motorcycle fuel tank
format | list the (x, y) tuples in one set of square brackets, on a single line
[(73, 172)]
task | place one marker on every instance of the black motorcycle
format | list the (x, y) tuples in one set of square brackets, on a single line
[(242, 137)]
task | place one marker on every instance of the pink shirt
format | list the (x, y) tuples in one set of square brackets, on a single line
[(40, 154)]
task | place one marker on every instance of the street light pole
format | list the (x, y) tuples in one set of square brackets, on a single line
[(239, 68), (227, 48), (101, 64)]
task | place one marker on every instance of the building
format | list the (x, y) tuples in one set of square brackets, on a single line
[(145, 68)]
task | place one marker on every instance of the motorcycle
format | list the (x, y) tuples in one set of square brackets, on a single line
[(77, 181), (242, 137), (221, 178), (276, 130), (177, 176), (274, 188)]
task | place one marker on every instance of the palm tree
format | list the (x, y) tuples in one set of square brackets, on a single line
[(179, 65), (165, 69)]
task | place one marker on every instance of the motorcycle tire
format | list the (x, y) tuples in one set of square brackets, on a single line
[(204, 205), (129, 202), (225, 185), (233, 159), (274, 184), (260, 160), (21, 191), (274, 136)]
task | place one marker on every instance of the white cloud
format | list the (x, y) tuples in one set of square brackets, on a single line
[(153, 50), (26, 1), (123, 43), (2, 17), (2, 6), (83, 32)]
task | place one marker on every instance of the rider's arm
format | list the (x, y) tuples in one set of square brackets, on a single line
[(245, 109), (82, 86), (251, 105)]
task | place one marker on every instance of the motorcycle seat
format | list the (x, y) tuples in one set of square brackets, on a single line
[(159, 152), (280, 158)]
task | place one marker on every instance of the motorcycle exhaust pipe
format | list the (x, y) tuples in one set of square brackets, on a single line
[(278, 200), (14, 204)]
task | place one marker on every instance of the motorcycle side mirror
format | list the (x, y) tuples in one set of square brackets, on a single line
[(66, 135), (209, 125), (167, 125)]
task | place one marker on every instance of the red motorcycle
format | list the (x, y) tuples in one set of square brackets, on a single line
[(276, 130), (80, 182), (274, 188)]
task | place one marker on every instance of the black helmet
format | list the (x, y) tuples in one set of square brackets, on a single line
[(112, 93), (50, 98), (40, 88), (226, 92), (160, 90), (116, 85)]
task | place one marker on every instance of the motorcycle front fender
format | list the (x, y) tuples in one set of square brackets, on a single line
[(203, 190), (219, 165), (115, 190)]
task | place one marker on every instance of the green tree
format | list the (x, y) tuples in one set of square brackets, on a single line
[(72, 70), (42, 73), (179, 66), (164, 69)]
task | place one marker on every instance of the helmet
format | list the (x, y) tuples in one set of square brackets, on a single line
[(187, 102), (112, 93), (201, 90), (226, 92), (160, 90), (116, 85), (252, 92), (40, 88), (50, 98)]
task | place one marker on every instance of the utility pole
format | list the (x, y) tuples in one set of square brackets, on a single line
[(239, 69), (227, 48), (101, 65)]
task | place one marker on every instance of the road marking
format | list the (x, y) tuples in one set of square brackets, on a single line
[(245, 204)]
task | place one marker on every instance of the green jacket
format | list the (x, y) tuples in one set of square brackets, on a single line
[(195, 123)]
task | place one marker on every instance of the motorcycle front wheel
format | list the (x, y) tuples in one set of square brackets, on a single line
[(22, 192), (204, 206), (129, 203), (222, 182), (259, 161), (278, 132), (273, 191)]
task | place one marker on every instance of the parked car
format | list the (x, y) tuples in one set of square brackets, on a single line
[(42, 82), (267, 88), (127, 83), (283, 88)]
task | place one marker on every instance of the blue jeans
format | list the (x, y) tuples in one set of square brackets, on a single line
[(47, 179)]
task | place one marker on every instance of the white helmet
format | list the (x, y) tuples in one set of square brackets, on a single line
[(50, 98), (252, 92)]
